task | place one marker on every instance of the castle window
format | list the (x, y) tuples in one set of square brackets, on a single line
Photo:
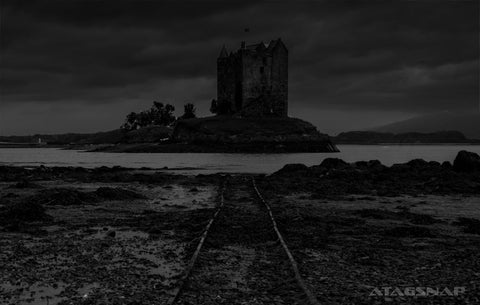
[(262, 70), (264, 61)]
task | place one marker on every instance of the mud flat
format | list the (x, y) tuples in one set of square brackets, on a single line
[(110, 236), (122, 236)]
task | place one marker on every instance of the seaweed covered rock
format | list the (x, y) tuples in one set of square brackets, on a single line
[(335, 177), (418, 168), (334, 163), (370, 165), (447, 165), (467, 162), (292, 168), (417, 163)]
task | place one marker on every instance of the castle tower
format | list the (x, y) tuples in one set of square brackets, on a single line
[(254, 79)]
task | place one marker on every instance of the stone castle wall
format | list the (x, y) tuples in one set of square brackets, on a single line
[(280, 81), (225, 79), (255, 81)]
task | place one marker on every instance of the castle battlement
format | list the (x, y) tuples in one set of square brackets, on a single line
[(254, 79)]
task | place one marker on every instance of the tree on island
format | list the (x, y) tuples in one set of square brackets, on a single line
[(189, 111), (162, 115), (158, 114)]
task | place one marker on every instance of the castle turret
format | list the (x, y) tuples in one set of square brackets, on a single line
[(223, 52)]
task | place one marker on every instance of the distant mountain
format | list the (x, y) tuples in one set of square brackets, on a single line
[(466, 123), (372, 137)]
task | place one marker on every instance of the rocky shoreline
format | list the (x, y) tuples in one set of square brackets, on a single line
[(335, 177)]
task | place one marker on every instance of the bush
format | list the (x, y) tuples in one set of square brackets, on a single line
[(189, 111)]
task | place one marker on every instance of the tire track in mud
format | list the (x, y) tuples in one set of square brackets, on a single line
[(184, 278), (242, 260)]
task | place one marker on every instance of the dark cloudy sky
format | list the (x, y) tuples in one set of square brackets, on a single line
[(80, 66)]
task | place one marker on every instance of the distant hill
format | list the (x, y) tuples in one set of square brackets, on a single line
[(466, 123), (149, 134), (371, 137)]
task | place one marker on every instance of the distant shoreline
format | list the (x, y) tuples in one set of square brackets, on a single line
[(235, 148), (410, 144), (14, 145), (154, 148), (451, 137)]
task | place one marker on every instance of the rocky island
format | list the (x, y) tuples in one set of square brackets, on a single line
[(251, 110), (236, 135)]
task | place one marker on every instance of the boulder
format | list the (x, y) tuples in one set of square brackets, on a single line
[(417, 163), (447, 165), (466, 162), (292, 168), (334, 163), (374, 165)]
